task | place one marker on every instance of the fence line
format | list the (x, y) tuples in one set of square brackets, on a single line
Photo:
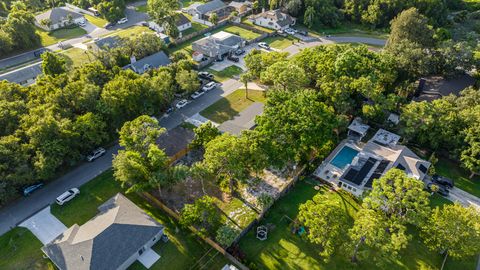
[(209, 241)]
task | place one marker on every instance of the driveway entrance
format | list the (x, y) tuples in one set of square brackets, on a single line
[(44, 226)]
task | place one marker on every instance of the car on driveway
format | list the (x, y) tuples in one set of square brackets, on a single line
[(239, 52), (443, 181), (67, 196), (442, 190), (197, 94), (82, 24), (182, 103), (122, 21), (264, 45), (109, 25), (96, 154), (303, 32), (30, 189), (209, 86), (205, 75), (290, 31), (233, 58)]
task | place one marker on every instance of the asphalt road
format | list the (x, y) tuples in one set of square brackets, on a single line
[(23, 208)]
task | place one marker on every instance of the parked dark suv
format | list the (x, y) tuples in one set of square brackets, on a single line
[(442, 190), (443, 181)]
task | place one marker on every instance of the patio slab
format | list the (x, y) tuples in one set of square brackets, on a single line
[(148, 258)]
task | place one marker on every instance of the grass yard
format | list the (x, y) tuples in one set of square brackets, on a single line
[(237, 212), (459, 175), (76, 57), (130, 32), (228, 107), (346, 29), (187, 3), (279, 42), (195, 28), (97, 21), (284, 250), (226, 73), (242, 32), (183, 250), (50, 38), (20, 249), (142, 8)]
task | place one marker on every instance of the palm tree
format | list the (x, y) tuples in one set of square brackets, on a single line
[(245, 78)]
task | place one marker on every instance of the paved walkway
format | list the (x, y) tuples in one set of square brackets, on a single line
[(464, 198), (44, 226)]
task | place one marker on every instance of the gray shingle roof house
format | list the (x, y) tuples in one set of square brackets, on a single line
[(113, 239), (273, 19), (203, 11), (58, 17), (24, 75), (218, 44), (155, 60)]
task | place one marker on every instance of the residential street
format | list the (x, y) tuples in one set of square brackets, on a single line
[(23, 208)]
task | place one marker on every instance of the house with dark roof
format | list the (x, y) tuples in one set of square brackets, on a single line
[(204, 11), (24, 76), (218, 44), (354, 165), (273, 19), (114, 239), (105, 43), (58, 17), (155, 60)]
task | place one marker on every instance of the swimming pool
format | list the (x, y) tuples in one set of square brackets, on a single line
[(344, 157)]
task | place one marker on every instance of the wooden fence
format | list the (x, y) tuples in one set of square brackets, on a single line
[(209, 241)]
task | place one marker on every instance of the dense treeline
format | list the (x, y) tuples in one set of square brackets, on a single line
[(372, 13), (51, 125)]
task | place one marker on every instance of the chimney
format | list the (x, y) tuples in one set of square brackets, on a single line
[(263, 10), (133, 59)]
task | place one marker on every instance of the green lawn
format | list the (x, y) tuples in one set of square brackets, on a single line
[(76, 57), (20, 249), (228, 107), (142, 8), (97, 21), (284, 250), (195, 28), (50, 38), (187, 3), (279, 42), (226, 73), (130, 32), (346, 29), (237, 212), (182, 251), (244, 33), (460, 176)]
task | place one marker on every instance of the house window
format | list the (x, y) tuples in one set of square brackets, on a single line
[(349, 188), (354, 189), (154, 238), (140, 252)]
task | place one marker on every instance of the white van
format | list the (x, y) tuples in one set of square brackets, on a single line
[(67, 196)]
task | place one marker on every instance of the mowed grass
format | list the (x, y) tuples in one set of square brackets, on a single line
[(76, 57), (230, 106), (195, 28), (50, 38), (130, 32), (183, 250), (242, 32), (97, 21), (226, 73), (459, 175), (285, 250), (20, 249), (142, 8), (279, 42), (250, 23)]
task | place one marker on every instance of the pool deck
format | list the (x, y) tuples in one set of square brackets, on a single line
[(327, 171)]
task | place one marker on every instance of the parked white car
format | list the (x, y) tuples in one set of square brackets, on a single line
[(67, 196), (209, 86), (264, 45), (197, 94), (182, 103), (290, 31), (122, 21), (96, 154), (82, 23)]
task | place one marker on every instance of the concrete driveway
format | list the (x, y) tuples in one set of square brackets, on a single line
[(464, 198), (44, 225)]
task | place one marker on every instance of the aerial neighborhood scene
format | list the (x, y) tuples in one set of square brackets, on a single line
[(239, 134)]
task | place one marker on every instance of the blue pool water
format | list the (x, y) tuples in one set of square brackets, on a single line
[(344, 157)]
